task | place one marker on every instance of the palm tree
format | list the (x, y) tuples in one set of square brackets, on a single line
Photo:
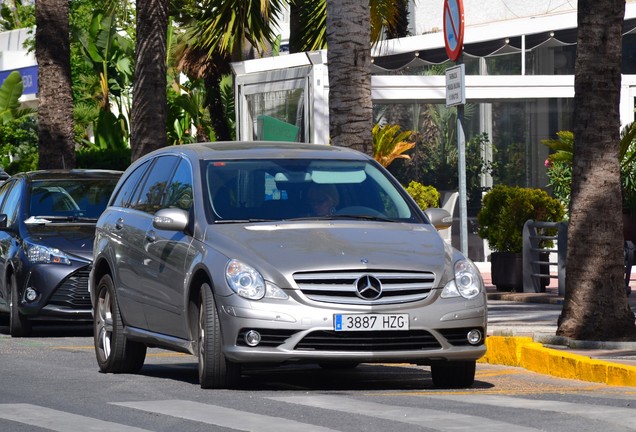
[(55, 109), (149, 108), (349, 59), (219, 32), (389, 143), (308, 22), (595, 305)]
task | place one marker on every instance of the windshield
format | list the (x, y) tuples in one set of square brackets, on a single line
[(297, 189), (76, 199)]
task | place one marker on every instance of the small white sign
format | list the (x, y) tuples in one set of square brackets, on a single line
[(455, 88)]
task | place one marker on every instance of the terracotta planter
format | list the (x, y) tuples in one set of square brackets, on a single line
[(507, 271)]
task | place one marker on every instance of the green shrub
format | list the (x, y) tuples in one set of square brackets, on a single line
[(505, 210), (110, 158), (424, 196)]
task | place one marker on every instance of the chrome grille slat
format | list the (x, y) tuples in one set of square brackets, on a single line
[(340, 286)]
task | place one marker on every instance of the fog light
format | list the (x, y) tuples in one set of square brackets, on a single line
[(252, 338), (474, 337), (30, 294)]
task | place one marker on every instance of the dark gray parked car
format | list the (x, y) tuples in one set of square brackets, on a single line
[(47, 225), (268, 253)]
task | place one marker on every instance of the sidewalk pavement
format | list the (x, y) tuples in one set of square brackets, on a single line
[(530, 340)]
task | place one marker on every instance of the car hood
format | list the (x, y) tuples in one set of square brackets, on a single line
[(281, 249), (73, 239)]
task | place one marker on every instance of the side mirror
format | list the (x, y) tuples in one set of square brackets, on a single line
[(440, 218), (171, 219)]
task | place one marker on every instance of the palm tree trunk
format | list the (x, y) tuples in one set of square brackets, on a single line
[(149, 107), (349, 60), (595, 305), (55, 107)]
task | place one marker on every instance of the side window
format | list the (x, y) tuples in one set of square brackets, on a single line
[(179, 191), (4, 189), (151, 195), (12, 203), (127, 189)]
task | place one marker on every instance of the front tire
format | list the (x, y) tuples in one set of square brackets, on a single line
[(114, 353), (457, 374), (215, 371), (19, 325)]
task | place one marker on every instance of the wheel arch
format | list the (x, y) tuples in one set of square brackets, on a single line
[(101, 267), (199, 277)]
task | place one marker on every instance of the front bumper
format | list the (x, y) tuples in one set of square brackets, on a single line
[(298, 332), (62, 293)]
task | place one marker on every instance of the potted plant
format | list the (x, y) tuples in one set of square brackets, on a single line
[(504, 211)]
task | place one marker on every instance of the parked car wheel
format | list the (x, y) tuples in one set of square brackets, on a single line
[(458, 374), (19, 325), (114, 353), (215, 371)]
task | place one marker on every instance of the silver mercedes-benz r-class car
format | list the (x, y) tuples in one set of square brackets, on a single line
[(263, 253)]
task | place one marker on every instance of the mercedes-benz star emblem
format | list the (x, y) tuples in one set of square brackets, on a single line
[(368, 287)]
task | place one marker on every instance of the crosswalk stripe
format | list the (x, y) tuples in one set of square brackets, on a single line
[(221, 416), (614, 415), (60, 421), (431, 419)]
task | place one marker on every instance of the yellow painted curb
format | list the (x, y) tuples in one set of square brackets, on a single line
[(525, 353)]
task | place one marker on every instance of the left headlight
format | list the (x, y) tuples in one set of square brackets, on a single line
[(39, 254), (248, 282), (467, 282)]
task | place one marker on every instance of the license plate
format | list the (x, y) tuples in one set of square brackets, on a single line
[(363, 322)]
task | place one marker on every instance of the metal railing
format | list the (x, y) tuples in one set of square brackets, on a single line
[(538, 260)]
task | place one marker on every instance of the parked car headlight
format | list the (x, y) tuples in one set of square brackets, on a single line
[(248, 282), (467, 282), (39, 254)]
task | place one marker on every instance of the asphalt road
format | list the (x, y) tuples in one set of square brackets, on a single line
[(50, 382)]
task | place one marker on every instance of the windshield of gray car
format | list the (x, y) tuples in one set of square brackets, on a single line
[(68, 200), (287, 189)]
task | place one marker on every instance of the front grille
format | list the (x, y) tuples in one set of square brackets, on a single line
[(327, 340), (340, 286), (459, 336), (72, 293), (269, 337)]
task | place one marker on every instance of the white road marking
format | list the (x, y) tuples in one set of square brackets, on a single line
[(60, 421), (625, 417), (221, 416), (428, 418)]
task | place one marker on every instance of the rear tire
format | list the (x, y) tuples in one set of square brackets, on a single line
[(215, 371), (457, 374), (114, 353), (19, 325)]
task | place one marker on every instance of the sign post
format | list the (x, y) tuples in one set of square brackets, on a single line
[(455, 96)]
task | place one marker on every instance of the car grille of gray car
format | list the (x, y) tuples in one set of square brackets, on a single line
[(328, 340), (343, 286), (72, 293)]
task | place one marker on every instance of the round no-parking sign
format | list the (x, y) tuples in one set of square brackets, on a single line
[(453, 28)]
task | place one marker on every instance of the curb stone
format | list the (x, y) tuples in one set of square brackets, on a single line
[(526, 353)]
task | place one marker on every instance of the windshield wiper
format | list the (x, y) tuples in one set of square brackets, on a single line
[(45, 219), (254, 220)]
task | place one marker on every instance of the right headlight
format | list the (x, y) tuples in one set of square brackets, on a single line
[(247, 282), (467, 282)]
